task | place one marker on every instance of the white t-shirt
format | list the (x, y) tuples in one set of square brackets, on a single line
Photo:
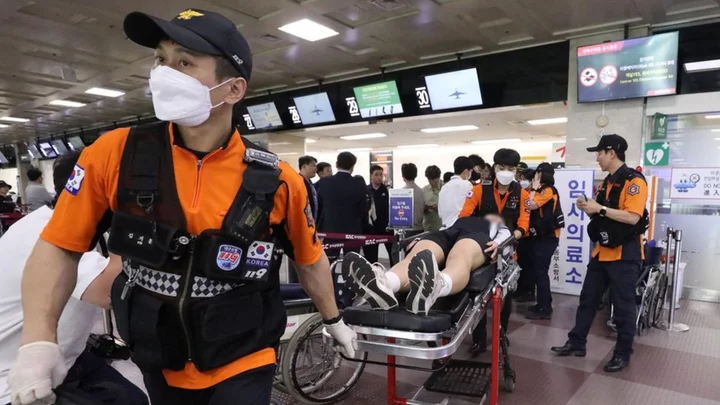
[(451, 200), (77, 318)]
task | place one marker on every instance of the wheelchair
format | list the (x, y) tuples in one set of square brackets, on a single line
[(439, 335)]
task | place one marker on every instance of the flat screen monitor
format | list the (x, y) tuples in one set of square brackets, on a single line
[(3, 159), (76, 143), (377, 100), (454, 89), (59, 146), (33, 151), (265, 116), (46, 150), (633, 68), (314, 109)]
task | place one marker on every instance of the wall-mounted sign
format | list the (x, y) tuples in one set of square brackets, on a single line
[(696, 183)]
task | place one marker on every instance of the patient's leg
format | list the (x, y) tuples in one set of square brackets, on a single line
[(463, 258), (400, 270)]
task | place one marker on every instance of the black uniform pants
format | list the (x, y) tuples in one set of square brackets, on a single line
[(371, 252), (479, 335), (250, 388), (621, 276), (526, 282), (542, 253)]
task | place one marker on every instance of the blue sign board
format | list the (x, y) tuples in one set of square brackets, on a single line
[(401, 208)]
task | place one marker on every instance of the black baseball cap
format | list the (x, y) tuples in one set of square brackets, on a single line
[(610, 142), (545, 168), (4, 184), (522, 166), (198, 30)]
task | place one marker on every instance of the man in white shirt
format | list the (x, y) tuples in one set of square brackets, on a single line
[(409, 174), (92, 293), (454, 193), (36, 195)]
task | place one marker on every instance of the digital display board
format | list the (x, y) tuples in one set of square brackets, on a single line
[(314, 109), (3, 159), (59, 147), (47, 150), (264, 116), (76, 143), (33, 151), (633, 68), (377, 100), (454, 89)]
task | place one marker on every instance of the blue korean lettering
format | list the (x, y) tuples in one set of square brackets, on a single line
[(574, 277), (574, 254), (577, 189), (575, 212), (576, 232)]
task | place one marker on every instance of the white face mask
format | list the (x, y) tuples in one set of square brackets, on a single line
[(524, 183), (505, 177), (180, 98)]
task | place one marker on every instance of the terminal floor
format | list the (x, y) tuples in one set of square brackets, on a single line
[(665, 369)]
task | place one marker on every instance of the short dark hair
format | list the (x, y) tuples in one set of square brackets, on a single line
[(547, 179), (320, 167), (463, 163), (373, 168), (507, 157), (63, 168), (620, 156), (346, 161), (224, 69), (477, 161), (409, 171), (306, 160), (432, 172), (447, 176), (33, 174)]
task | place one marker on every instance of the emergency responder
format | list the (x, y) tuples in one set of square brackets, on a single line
[(505, 197), (618, 221), (546, 221), (478, 165), (526, 283), (198, 299)]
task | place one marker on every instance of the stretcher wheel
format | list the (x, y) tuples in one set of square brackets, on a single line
[(312, 372)]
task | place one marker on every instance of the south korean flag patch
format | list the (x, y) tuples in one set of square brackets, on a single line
[(257, 263), (75, 180), (634, 189), (469, 194)]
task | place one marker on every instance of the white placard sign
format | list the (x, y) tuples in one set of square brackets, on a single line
[(696, 183), (569, 264)]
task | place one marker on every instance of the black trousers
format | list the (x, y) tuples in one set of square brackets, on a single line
[(479, 335), (372, 252), (621, 277), (542, 253), (526, 282), (251, 388)]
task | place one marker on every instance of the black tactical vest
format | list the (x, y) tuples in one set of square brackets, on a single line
[(607, 232), (546, 219), (513, 205), (210, 298)]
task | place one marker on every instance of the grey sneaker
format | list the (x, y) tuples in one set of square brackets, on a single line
[(368, 281), (425, 283)]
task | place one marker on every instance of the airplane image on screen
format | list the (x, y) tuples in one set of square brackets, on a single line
[(457, 94), (317, 111)]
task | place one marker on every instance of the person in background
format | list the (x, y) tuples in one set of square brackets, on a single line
[(522, 166), (486, 173), (478, 165), (446, 177), (431, 192), (546, 221), (370, 204), (526, 283), (36, 195), (381, 199), (6, 201), (409, 174), (324, 169), (307, 165), (454, 193)]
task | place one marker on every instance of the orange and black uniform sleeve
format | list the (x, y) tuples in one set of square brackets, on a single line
[(472, 202), (88, 195), (636, 194), (293, 204), (543, 196), (523, 223)]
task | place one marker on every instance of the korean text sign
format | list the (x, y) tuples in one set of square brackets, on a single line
[(401, 208), (701, 183), (569, 264)]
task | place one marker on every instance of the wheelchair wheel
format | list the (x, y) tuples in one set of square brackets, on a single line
[(312, 372), (658, 300)]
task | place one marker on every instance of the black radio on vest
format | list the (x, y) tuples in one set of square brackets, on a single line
[(610, 233), (210, 298), (510, 212)]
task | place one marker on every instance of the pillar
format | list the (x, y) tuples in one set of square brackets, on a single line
[(584, 126)]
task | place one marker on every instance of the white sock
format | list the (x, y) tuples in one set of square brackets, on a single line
[(393, 281), (447, 286)]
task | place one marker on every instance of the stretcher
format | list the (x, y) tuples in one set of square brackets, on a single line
[(399, 333)]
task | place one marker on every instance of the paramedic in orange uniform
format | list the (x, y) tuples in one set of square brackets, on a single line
[(618, 221), (505, 197), (207, 339)]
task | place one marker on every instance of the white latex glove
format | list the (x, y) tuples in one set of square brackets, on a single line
[(344, 338), (39, 368)]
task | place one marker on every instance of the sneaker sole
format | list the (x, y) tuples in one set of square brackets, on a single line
[(360, 280), (422, 282)]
